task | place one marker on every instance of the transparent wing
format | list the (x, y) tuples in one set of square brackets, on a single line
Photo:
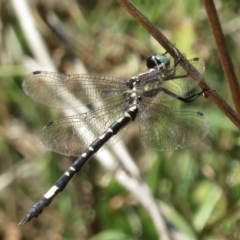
[(177, 82), (71, 135), (183, 84), (164, 128), (69, 91)]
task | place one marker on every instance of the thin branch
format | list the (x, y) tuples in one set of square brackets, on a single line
[(171, 49), (223, 52)]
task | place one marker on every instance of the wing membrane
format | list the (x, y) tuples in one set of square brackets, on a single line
[(178, 83), (71, 135), (182, 85), (164, 128), (65, 91)]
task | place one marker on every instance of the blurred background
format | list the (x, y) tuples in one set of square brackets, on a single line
[(197, 189)]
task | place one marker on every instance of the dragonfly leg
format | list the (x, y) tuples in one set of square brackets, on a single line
[(187, 99)]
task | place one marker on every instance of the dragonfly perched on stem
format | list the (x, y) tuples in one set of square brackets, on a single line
[(163, 128)]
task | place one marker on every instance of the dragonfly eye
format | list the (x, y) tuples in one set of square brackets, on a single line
[(157, 61)]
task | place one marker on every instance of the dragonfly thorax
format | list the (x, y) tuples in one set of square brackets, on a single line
[(132, 82), (133, 96)]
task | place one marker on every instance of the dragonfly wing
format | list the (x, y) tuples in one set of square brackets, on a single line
[(182, 83), (71, 135), (164, 128), (69, 91)]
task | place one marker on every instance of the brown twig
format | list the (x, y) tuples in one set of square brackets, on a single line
[(223, 52), (171, 49)]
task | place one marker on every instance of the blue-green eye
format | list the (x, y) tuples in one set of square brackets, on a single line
[(157, 60)]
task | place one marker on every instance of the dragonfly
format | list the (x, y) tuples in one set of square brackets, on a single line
[(162, 127)]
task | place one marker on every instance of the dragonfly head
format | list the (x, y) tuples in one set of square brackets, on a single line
[(158, 61)]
